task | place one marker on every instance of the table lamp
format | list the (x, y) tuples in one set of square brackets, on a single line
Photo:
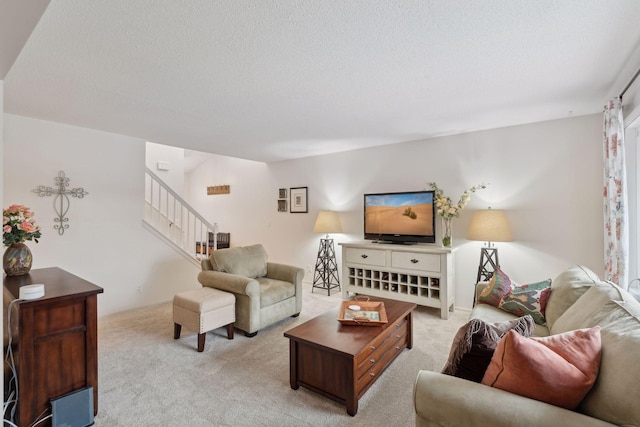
[(489, 225), (326, 271)]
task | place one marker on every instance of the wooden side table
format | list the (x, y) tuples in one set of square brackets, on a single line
[(56, 347)]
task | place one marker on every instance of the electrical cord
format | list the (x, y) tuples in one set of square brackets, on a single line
[(39, 420), (12, 365), (10, 400)]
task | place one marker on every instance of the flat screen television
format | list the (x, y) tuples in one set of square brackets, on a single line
[(407, 217)]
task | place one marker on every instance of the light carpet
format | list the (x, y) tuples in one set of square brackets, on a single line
[(146, 378)]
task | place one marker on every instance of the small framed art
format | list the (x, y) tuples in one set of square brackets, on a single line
[(282, 205), (299, 203), (282, 193)]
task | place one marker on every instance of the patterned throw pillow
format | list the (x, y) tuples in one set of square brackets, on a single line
[(498, 287), (475, 342), (528, 299)]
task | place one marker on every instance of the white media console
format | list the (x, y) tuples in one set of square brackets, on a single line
[(422, 274)]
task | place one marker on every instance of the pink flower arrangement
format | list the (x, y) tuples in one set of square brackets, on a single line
[(18, 225)]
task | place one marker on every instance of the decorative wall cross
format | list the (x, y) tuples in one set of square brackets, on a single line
[(61, 202)]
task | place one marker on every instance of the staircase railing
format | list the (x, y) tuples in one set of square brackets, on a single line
[(172, 219)]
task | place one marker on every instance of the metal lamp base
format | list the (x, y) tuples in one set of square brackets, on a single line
[(488, 258), (326, 272)]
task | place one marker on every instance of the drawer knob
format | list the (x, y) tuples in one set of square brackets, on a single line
[(373, 347), (398, 325), (364, 256), (372, 374), (372, 360), (397, 347), (398, 336), (414, 261)]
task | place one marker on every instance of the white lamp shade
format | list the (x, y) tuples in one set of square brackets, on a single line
[(327, 222), (489, 225)]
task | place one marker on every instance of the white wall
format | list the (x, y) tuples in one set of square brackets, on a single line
[(174, 157), (548, 176), (105, 243), (246, 211)]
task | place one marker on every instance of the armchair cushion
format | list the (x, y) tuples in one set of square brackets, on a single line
[(273, 291), (248, 261)]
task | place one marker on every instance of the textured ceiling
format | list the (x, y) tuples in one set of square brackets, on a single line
[(278, 79)]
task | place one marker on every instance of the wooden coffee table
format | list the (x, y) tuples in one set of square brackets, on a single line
[(341, 361)]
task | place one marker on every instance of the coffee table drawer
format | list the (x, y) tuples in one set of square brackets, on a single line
[(387, 354), (366, 256), (376, 351)]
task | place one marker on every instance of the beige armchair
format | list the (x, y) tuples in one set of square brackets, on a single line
[(266, 292)]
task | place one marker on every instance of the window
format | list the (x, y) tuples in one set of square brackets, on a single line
[(632, 139)]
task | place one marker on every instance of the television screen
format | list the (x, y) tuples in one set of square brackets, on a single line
[(407, 217)]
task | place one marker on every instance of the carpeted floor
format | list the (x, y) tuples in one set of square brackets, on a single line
[(146, 378)]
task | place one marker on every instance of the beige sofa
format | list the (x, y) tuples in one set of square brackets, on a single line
[(579, 299), (265, 292)]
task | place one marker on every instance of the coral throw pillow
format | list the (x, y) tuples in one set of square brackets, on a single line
[(558, 369)]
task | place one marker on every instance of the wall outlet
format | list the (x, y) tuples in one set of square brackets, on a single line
[(139, 290), (309, 269)]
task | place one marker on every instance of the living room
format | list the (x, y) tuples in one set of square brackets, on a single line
[(545, 173)]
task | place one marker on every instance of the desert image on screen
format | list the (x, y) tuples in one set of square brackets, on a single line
[(410, 213)]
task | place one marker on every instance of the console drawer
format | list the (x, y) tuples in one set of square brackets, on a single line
[(365, 256), (414, 261)]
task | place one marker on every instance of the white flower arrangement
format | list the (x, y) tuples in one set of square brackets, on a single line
[(445, 207)]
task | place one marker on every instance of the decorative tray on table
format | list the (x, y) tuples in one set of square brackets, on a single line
[(363, 313)]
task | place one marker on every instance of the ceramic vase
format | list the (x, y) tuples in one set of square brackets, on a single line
[(17, 259), (446, 232)]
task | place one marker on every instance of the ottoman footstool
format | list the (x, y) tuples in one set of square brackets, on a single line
[(203, 310)]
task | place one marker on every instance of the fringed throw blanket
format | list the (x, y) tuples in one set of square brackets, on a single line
[(475, 342)]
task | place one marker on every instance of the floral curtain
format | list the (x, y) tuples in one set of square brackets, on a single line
[(616, 232)]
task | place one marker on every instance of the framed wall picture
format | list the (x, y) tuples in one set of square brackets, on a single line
[(282, 205), (282, 193), (299, 203)]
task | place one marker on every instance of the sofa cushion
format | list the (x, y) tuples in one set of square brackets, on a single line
[(558, 369), (614, 396), (491, 314), (475, 342), (566, 288), (582, 312), (248, 261)]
